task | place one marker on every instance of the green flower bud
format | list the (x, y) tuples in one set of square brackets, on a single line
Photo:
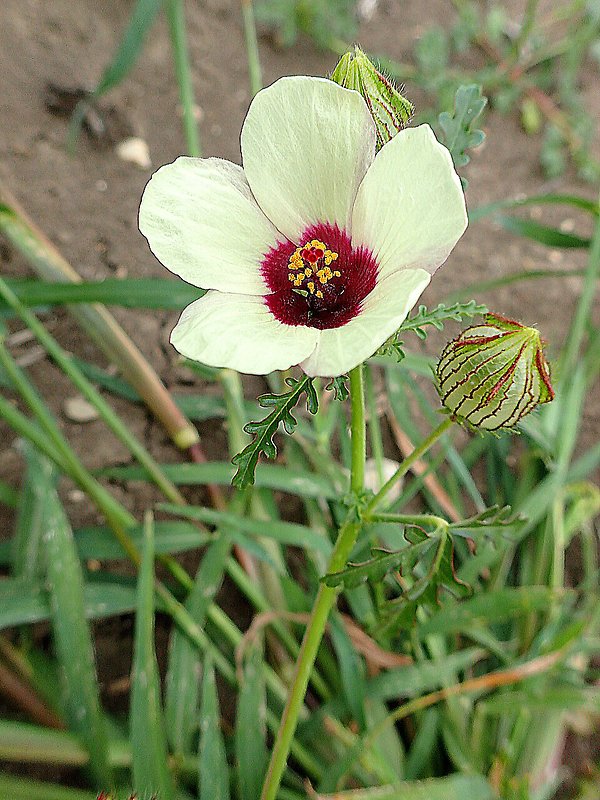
[(390, 111), (493, 374)]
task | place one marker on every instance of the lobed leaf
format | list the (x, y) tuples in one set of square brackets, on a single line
[(264, 430)]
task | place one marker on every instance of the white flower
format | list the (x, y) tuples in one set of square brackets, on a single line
[(315, 251)]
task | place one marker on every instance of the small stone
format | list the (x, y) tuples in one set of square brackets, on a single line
[(135, 150), (77, 409), (76, 496)]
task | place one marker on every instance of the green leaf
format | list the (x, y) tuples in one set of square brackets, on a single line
[(423, 676), (72, 639), (130, 46), (377, 567), (148, 740), (156, 293), (285, 532), (184, 664), (264, 430), (27, 789), (36, 496), (250, 728), (268, 476), (551, 237), (460, 133), (486, 609), (435, 318), (453, 787), (22, 603), (172, 536), (351, 670), (213, 769), (339, 388)]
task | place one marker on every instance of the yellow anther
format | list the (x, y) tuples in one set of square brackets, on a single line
[(310, 286), (319, 293), (308, 272), (337, 274)]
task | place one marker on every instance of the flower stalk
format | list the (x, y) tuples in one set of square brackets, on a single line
[(325, 599)]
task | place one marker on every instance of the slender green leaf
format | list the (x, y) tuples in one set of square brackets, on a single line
[(268, 476), (213, 769), (352, 671), (155, 293), (172, 536), (72, 639), (422, 677), (35, 499), (551, 237), (454, 787), (12, 788), (583, 203), (184, 664), (250, 727), (22, 603), (148, 740), (488, 608), (130, 46), (285, 532)]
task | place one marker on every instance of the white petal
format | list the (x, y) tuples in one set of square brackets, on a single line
[(238, 331), (410, 208), (306, 145), (203, 224), (383, 311)]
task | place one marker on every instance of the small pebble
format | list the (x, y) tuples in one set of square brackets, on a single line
[(77, 409), (135, 150)]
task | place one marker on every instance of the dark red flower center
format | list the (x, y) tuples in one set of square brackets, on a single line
[(320, 283)]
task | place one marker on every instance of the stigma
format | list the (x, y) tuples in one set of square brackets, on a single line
[(310, 267)]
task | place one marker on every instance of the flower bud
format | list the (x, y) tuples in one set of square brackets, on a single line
[(493, 374), (390, 111)]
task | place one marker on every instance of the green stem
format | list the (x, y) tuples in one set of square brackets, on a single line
[(176, 16), (251, 47), (407, 464), (324, 601)]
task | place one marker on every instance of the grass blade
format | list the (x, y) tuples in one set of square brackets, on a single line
[(183, 673), (268, 476), (488, 608), (39, 483), (24, 604), (148, 740), (73, 641), (213, 769), (551, 237), (154, 293), (250, 730), (453, 787), (285, 532), (27, 789), (130, 46)]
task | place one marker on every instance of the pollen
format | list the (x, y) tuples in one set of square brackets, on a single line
[(312, 260)]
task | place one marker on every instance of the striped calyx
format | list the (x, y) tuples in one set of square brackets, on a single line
[(390, 111), (493, 374)]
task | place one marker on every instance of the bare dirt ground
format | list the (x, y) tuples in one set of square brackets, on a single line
[(87, 203)]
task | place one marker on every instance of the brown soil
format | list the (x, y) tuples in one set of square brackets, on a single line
[(87, 203)]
